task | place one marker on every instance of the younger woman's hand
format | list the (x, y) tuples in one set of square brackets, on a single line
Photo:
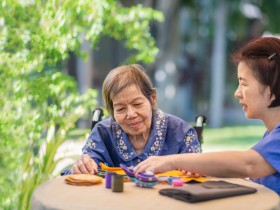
[(190, 174), (156, 164)]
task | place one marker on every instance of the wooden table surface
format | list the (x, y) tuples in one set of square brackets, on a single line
[(56, 194)]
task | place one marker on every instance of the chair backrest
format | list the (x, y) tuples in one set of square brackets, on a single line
[(97, 115), (200, 121)]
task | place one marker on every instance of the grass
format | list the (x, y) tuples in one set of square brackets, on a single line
[(232, 138)]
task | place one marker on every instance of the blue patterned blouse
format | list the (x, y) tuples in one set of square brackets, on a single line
[(109, 144)]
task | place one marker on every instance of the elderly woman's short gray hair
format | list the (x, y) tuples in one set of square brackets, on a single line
[(122, 77)]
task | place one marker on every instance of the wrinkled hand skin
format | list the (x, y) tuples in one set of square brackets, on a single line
[(85, 165)]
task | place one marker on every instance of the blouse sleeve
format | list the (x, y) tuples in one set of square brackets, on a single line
[(182, 135), (269, 148), (95, 146), (191, 144)]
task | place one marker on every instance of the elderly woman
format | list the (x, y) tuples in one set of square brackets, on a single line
[(136, 129)]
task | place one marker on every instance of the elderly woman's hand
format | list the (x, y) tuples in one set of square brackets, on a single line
[(85, 165)]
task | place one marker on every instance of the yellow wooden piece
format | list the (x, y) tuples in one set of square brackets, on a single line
[(197, 179), (83, 179), (182, 176), (174, 173), (117, 170)]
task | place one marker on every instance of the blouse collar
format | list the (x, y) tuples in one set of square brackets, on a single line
[(155, 142)]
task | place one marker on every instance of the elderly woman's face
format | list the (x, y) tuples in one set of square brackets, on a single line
[(133, 111)]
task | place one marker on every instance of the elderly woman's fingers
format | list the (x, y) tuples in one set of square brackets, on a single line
[(82, 167), (75, 169), (89, 164), (85, 165)]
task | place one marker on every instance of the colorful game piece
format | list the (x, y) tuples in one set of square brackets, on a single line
[(101, 173), (83, 179), (108, 179), (147, 176), (129, 172), (145, 184), (177, 182), (117, 183), (145, 179)]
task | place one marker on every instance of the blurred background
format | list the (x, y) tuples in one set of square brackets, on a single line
[(54, 56), (192, 71)]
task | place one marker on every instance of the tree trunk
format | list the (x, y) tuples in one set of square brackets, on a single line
[(218, 66), (172, 98)]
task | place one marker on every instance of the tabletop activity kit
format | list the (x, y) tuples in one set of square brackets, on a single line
[(180, 186)]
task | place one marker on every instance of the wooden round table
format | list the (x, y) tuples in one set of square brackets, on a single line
[(56, 194)]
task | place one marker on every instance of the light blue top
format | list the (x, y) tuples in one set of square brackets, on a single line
[(269, 148), (109, 144)]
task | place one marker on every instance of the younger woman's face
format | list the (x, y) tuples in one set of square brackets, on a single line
[(253, 96)]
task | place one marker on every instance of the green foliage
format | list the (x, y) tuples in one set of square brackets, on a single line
[(39, 104), (270, 10), (136, 27)]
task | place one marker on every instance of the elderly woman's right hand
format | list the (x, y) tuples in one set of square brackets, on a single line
[(85, 165)]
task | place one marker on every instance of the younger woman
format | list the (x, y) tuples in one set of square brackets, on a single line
[(259, 95)]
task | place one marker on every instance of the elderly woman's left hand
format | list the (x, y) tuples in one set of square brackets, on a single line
[(85, 165)]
